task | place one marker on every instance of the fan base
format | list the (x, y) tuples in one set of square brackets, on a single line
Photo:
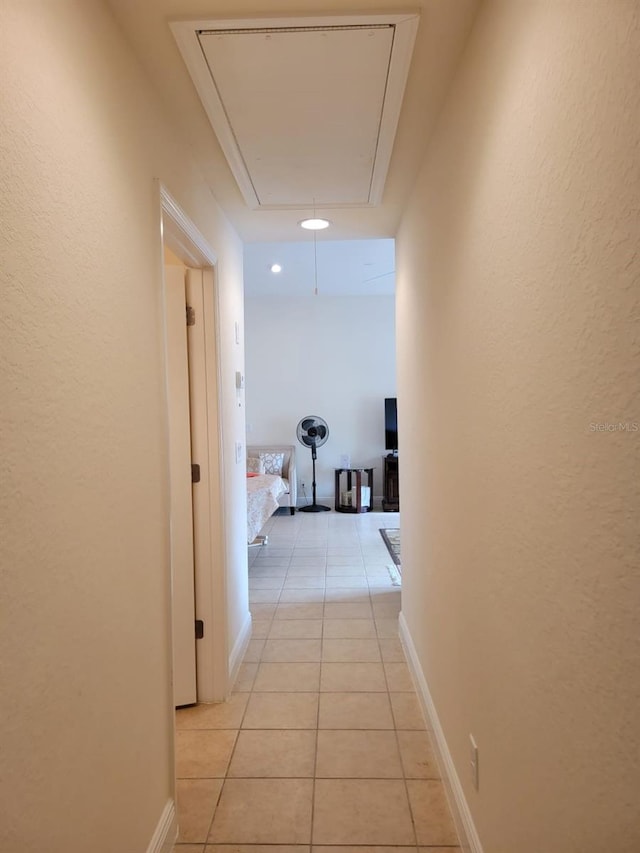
[(314, 508)]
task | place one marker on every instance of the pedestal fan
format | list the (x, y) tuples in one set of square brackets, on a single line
[(312, 432)]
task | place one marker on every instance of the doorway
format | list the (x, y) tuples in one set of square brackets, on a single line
[(201, 444), (183, 479)]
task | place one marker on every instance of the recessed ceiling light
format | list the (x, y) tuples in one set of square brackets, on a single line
[(276, 268), (314, 224)]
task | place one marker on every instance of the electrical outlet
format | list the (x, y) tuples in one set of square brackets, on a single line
[(473, 755)]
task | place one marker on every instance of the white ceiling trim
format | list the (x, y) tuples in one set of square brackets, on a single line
[(187, 35)]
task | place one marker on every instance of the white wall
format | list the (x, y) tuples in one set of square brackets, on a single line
[(234, 532), (320, 355), (87, 752), (518, 315)]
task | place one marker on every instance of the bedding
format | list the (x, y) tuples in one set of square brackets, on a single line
[(281, 459), (272, 463), (263, 493), (255, 465)]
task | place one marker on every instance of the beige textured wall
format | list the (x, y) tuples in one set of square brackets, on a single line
[(517, 319), (86, 719)]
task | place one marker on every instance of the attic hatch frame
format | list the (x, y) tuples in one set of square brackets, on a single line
[(405, 24), (302, 28)]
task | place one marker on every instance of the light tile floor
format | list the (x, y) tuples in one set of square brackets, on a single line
[(322, 743)]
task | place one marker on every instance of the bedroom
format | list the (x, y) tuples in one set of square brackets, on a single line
[(330, 354)]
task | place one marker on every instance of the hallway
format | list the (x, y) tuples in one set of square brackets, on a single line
[(323, 742)]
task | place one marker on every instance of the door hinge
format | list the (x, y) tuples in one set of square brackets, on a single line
[(199, 629), (191, 316), (195, 473)]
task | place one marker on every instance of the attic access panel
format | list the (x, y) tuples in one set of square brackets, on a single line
[(305, 110)]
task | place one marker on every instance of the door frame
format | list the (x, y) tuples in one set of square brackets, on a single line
[(182, 237), (181, 488)]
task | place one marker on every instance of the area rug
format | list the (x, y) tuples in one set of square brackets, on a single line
[(391, 538)]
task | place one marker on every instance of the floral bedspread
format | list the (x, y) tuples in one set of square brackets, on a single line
[(263, 492)]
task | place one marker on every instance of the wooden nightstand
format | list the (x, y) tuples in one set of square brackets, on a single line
[(351, 493), (391, 499)]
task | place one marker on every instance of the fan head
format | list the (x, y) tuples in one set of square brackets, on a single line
[(312, 431)]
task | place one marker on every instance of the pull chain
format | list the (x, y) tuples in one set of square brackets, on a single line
[(315, 263)]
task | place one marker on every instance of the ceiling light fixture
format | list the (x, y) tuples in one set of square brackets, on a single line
[(314, 224), (276, 268)]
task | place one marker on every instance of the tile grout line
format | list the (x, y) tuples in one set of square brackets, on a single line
[(315, 757), (397, 740), (323, 637)]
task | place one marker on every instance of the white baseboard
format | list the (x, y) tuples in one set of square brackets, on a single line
[(238, 651), (465, 826), (166, 831)]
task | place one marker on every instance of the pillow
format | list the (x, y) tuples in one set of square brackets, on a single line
[(272, 463), (255, 465)]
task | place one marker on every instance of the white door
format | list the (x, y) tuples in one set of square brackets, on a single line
[(182, 567)]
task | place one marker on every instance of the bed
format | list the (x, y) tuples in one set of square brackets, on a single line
[(286, 455), (263, 494)]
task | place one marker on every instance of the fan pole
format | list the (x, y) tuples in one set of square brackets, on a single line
[(314, 507)]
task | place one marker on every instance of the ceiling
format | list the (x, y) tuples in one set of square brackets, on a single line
[(343, 268), (317, 138), (363, 200)]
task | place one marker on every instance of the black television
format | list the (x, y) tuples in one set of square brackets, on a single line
[(391, 424)]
